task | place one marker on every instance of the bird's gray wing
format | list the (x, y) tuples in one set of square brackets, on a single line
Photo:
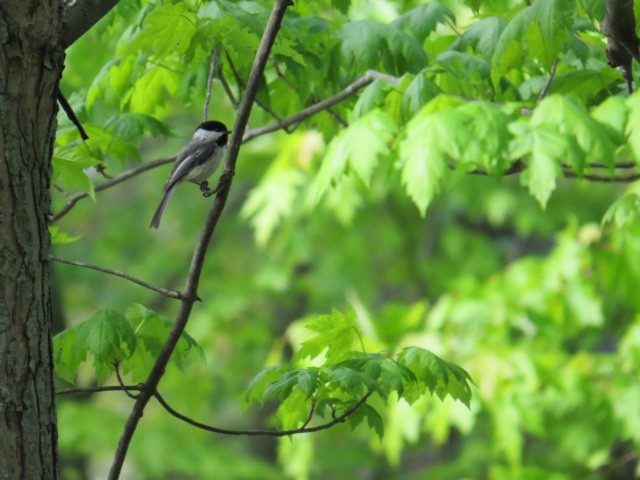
[(192, 156)]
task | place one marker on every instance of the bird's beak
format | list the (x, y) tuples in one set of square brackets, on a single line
[(229, 131)]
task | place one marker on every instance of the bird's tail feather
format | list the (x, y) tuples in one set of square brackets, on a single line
[(155, 221)]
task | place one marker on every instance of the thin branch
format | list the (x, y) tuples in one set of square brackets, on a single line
[(73, 199), (212, 74), (267, 433), (163, 291), (71, 115), (197, 262), (116, 367), (311, 412), (352, 89), (547, 85), (109, 388), (601, 179), (236, 75), (228, 91), (258, 102)]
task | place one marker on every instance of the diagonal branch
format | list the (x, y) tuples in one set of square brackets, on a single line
[(81, 16), (195, 270), (163, 291), (352, 89)]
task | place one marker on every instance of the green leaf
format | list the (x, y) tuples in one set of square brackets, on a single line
[(59, 238), (420, 91), (69, 166), (132, 126), (482, 36), (66, 358), (152, 330), (256, 389), (107, 336), (442, 377), (367, 44), (148, 93), (167, 30), (372, 417), (424, 19), (294, 410), (573, 120), (334, 337), (540, 31), (306, 380), (431, 139), (357, 148), (545, 149)]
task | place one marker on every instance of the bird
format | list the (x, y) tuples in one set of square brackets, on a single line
[(197, 161)]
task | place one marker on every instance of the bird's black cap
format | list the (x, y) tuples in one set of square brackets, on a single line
[(213, 126)]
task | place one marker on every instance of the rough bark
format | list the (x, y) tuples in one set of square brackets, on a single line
[(31, 59)]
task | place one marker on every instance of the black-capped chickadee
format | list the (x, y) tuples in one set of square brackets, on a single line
[(196, 162)]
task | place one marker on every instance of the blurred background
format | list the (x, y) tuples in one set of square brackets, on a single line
[(539, 306)]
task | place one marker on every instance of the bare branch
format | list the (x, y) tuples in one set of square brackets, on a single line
[(73, 199), (547, 85), (116, 367), (195, 270), (163, 291), (352, 89), (212, 74), (71, 115), (109, 388), (265, 433), (81, 16)]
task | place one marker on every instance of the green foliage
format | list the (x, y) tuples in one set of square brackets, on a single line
[(132, 341), (343, 376)]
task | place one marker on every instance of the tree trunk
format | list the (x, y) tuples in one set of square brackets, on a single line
[(31, 60)]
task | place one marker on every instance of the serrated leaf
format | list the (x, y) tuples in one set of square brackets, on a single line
[(366, 44), (372, 417), (357, 148), (69, 166), (152, 330), (540, 31), (482, 36), (256, 389), (294, 410), (567, 117), (545, 150), (420, 91), (431, 139), (58, 237), (132, 126), (423, 19), (306, 380), (335, 336), (166, 30), (149, 91), (108, 337), (440, 377), (66, 358)]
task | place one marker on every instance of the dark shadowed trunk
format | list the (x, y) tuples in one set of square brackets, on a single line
[(30, 67)]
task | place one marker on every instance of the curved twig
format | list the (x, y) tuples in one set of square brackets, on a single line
[(167, 293), (265, 433)]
